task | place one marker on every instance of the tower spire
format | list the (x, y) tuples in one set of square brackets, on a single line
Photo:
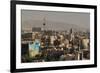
[(44, 22)]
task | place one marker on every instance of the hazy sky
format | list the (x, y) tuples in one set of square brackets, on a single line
[(32, 18)]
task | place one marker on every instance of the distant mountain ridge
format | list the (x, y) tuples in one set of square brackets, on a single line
[(52, 25)]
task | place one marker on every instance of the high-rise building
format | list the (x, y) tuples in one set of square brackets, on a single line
[(36, 29)]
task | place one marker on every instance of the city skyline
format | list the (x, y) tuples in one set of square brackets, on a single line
[(55, 20)]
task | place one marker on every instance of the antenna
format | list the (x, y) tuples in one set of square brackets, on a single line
[(44, 22)]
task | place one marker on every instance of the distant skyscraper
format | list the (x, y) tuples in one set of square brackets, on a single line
[(71, 34), (36, 29), (71, 31)]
